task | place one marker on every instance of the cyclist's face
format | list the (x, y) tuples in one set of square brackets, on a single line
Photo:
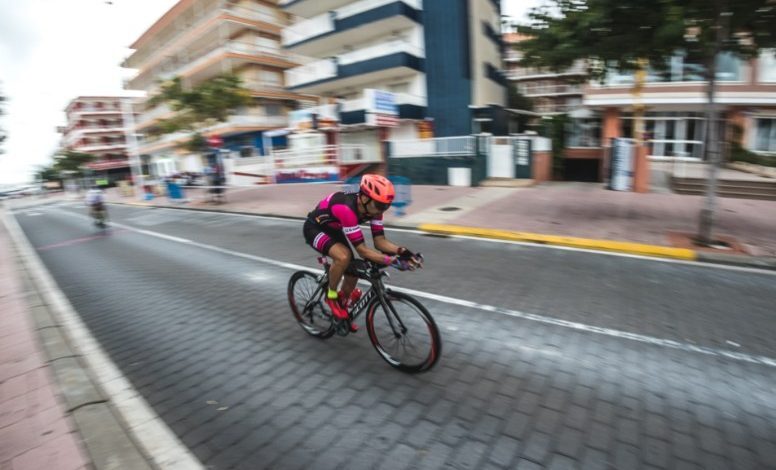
[(374, 208), (380, 207)]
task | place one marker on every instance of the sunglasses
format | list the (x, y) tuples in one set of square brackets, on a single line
[(381, 206)]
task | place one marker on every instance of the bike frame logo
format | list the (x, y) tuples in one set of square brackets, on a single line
[(363, 301)]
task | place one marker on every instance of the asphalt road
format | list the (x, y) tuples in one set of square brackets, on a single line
[(552, 358)]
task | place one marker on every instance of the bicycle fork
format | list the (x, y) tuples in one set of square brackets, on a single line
[(390, 313)]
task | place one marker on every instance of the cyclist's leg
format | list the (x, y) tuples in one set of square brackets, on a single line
[(335, 246), (341, 256), (348, 285), (331, 244)]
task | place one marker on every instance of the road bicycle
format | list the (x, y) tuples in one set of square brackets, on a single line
[(100, 216), (400, 328)]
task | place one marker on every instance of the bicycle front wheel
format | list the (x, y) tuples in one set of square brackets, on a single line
[(305, 295), (403, 333)]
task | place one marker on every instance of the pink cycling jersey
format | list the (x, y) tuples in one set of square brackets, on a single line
[(338, 211)]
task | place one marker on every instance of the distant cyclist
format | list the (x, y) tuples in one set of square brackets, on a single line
[(335, 221), (95, 200)]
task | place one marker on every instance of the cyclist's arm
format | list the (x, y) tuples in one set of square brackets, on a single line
[(372, 255), (386, 246), (353, 232)]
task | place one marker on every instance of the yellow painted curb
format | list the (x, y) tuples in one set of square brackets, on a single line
[(584, 243)]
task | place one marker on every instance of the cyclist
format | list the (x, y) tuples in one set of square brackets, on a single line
[(335, 221), (95, 199)]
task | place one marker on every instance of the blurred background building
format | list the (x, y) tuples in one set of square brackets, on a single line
[(400, 69), (198, 40), (96, 125), (674, 115)]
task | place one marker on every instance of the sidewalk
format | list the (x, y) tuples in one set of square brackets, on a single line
[(580, 210), (36, 431)]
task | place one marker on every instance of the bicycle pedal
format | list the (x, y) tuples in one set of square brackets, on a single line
[(343, 328)]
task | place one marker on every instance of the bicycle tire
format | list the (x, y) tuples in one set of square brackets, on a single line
[(381, 334), (301, 295)]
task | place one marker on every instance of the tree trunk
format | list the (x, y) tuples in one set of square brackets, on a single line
[(711, 142)]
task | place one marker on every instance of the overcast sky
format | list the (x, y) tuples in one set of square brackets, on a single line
[(52, 51)]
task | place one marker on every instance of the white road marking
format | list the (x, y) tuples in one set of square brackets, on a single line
[(666, 343), (154, 436), (695, 264)]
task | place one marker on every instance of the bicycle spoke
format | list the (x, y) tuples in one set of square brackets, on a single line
[(404, 334), (305, 299)]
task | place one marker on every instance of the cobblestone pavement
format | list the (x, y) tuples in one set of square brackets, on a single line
[(207, 338)]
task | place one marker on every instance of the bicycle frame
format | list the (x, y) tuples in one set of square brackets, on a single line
[(377, 288)]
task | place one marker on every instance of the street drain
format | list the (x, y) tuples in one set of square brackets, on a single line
[(450, 209)]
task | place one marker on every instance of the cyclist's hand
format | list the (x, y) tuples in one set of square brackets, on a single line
[(415, 259)]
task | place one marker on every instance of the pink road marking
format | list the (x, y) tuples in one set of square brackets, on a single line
[(76, 241)]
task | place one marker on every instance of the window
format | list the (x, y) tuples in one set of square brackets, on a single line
[(270, 77), (273, 109), (765, 135), (767, 66), (680, 69), (584, 133)]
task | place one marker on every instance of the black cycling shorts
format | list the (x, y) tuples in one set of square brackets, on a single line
[(322, 240)]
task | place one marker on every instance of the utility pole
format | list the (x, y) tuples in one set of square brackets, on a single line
[(712, 133), (134, 157)]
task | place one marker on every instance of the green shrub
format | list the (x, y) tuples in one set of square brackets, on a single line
[(740, 154)]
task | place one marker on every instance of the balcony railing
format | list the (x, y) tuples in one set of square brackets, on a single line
[(155, 113), (312, 72), (100, 147), (325, 155), (325, 22), (250, 120), (543, 90), (167, 45), (523, 72), (312, 27), (253, 14), (440, 146), (365, 5), (327, 68), (95, 109), (380, 50), (554, 108)]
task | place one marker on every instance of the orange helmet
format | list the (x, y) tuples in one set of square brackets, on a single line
[(377, 187)]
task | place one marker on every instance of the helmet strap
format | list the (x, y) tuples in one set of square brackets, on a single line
[(363, 204)]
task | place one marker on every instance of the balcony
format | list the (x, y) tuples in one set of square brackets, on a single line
[(252, 121), (168, 43), (101, 147), (79, 133), (147, 118), (310, 8), (206, 62), (532, 91), (356, 23), (372, 63), (234, 125), (526, 73)]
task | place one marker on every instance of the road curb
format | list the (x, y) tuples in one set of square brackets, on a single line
[(118, 428), (656, 251), (762, 262)]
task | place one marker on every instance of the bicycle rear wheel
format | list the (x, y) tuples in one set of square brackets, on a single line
[(403, 333), (305, 295)]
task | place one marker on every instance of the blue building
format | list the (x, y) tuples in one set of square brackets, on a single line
[(439, 59)]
